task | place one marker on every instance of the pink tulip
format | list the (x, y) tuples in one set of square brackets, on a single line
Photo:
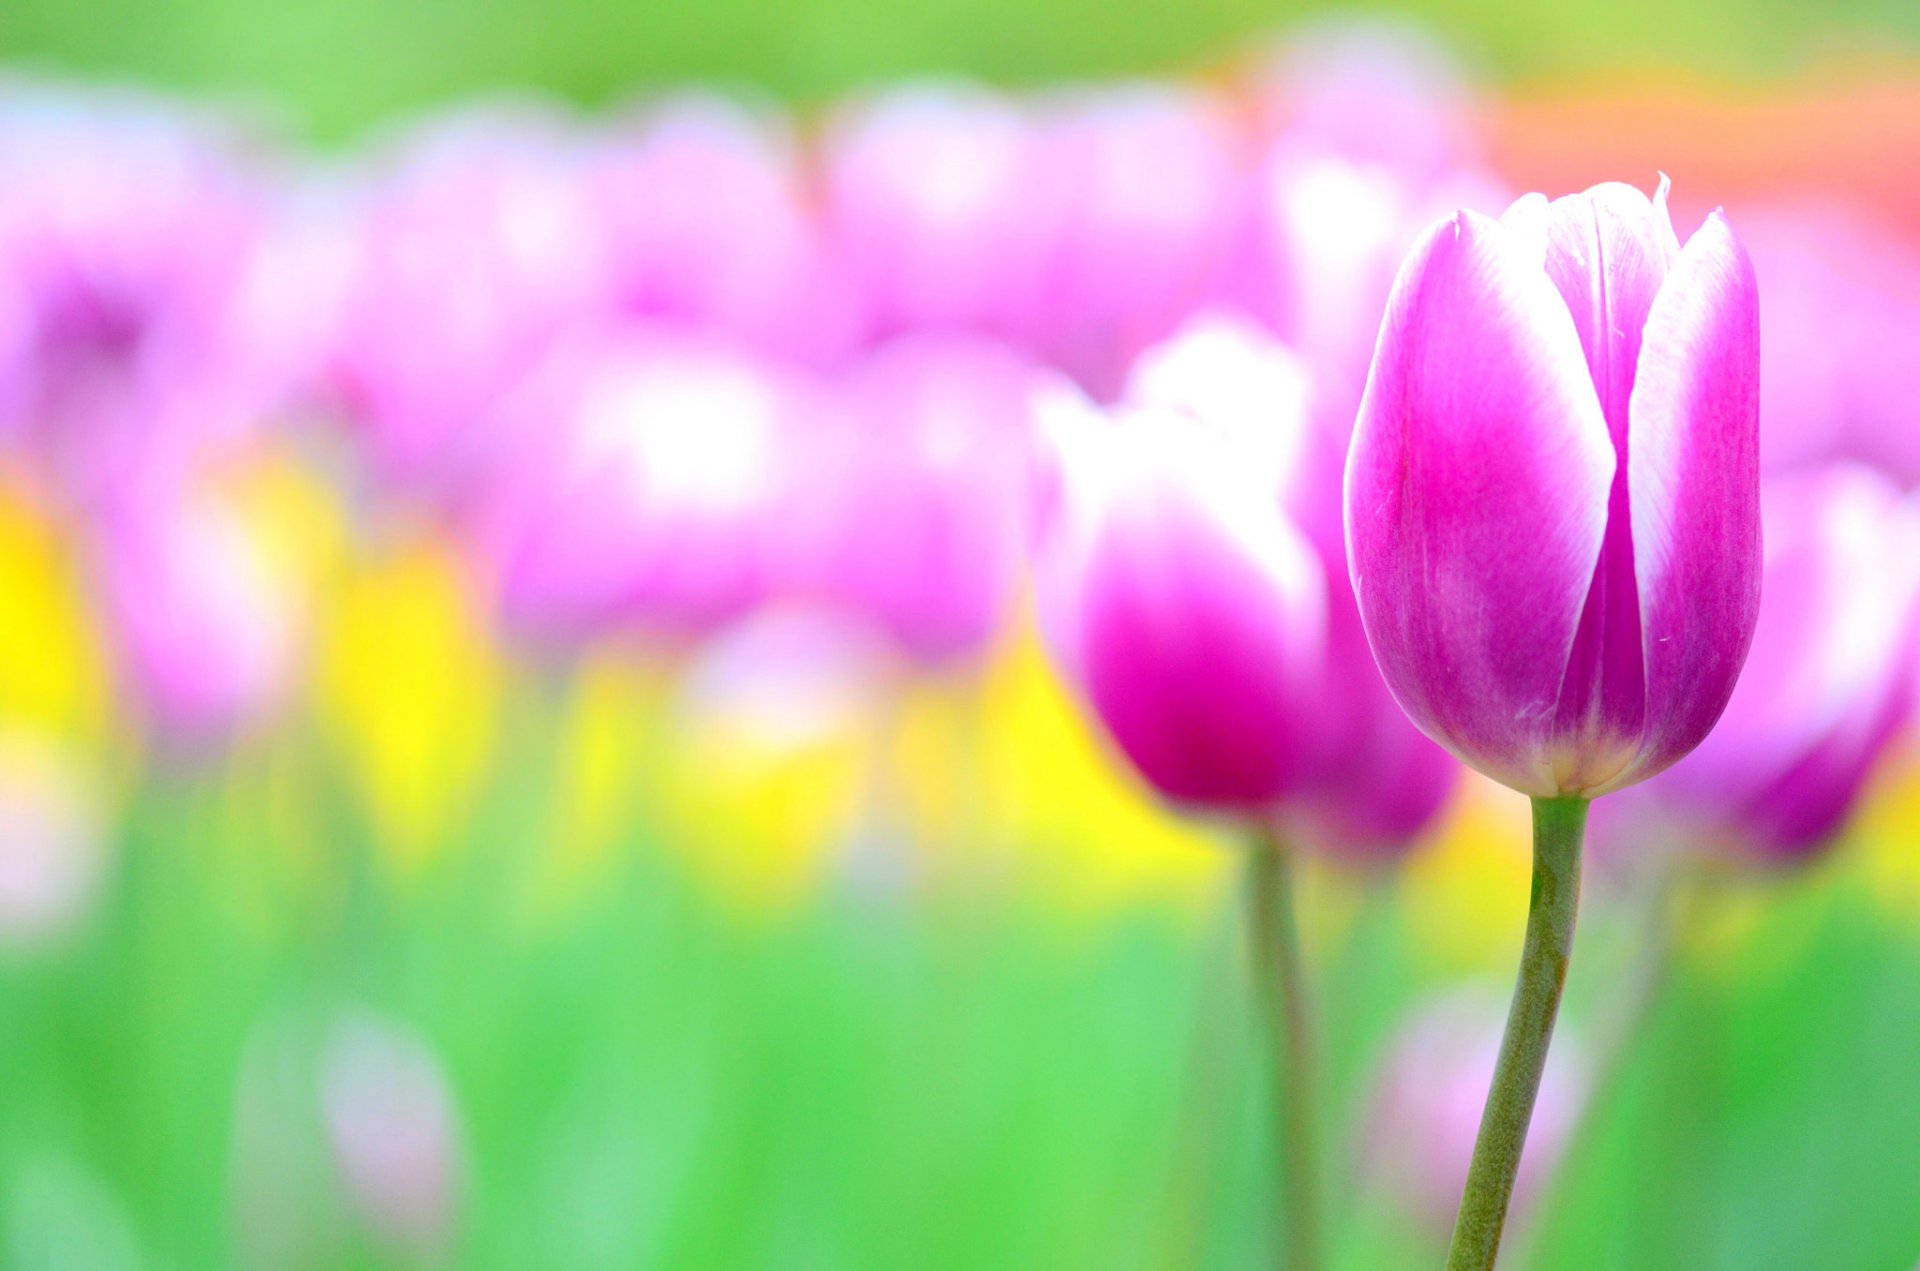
[(1826, 685), (928, 193), (910, 508), (346, 1139), (478, 251), (1426, 1106), (1323, 238), (207, 631), (706, 226), (1840, 300), (131, 241), (1376, 780), (1553, 510), (1183, 604), (1141, 192), (639, 486), (394, 1132), (1378, 94)]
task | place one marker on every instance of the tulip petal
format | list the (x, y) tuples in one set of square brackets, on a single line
[(1477, 496), (1693, 474)]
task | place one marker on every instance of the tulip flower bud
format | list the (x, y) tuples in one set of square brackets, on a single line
[(638, 486), (908, 512), (1553, 510), (1377, 780), (207, 622), (1185, 605), (346, 1141), (1825, 688)]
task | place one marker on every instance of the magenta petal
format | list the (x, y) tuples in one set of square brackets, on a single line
[(1694, 479), (1607, 251), (1189, 610), (1477, 497)]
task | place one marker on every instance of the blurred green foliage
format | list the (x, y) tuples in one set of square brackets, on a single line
[(335, 66), (890, 1079)]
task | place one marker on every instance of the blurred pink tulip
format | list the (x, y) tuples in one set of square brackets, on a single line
[(1427, 1100), (1826, 685), (1323, 238), (346, 1140), (394, 1133), (1379, 94), (1141, 191), (707, 227), (206, 629), (1553, 511), (929, 192), (1182, 602), (1377, 781), (133, 248), (640, 486), (1840, 302), (910, 507), (478, 249)]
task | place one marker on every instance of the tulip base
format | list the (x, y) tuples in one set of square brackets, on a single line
[(1558, 825), (1280, 1006)]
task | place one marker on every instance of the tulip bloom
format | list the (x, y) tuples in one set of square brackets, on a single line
[(909, 513), (1377, 781), (706, 226), (207, 622), (637, 486), (135, 281), (476, 255), (926, 201), (1186, 607), (1553, 492), (1826, 684)]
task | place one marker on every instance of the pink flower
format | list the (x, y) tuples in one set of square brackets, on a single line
[(206, 628), (1323, 239), (1553, 511), (394, 1133), (639, 486), (707, 227), (1183, 604), (478, 251), (133, 246), (1840, 301), (1141, 190), (1376, 93), (910, 508), (1826, 685), (1374, 780), (929, 197)]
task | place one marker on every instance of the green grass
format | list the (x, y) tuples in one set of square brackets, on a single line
[(334, 67), (959, 1079)]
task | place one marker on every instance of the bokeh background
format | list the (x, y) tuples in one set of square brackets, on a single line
[(377, 888)]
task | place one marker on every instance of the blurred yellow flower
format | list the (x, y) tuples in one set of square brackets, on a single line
[(410, 687), (53, 670), (1466, 891), (1079, 826), (769, 784)]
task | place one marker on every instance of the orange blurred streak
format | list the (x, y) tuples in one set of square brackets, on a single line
[(1850, 133)]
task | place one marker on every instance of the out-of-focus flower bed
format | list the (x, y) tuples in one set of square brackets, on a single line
[(530, 734)]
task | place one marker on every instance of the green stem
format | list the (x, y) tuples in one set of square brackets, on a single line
[(1557, 828), (1280, 1002)]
